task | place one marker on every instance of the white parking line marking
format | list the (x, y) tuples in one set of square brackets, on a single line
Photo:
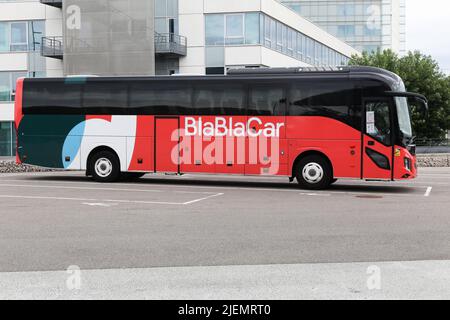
[(88, 200), (205, 198), (206, 187), (330, 193), (100, 189), (169, 187), (428, 192), (100, 204), (316, 194), (85, 200)]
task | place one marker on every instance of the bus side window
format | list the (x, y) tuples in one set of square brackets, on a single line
[(378, 121), (219, 99), (326, 99), (105, 98), (52, 97), (152, 98), (267, 100)]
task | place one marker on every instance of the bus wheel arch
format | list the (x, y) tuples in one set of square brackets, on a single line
[(319, 164), (108, 163)]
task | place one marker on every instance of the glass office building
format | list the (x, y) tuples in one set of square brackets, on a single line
[(255, 28), (367, 25)]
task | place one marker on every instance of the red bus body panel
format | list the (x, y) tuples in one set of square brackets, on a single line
[(18, 114)]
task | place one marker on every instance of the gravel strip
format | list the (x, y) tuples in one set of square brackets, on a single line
[(12, 167), (434, 160)]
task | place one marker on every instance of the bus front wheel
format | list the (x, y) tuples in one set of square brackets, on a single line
[(314, 173), (105, 166)]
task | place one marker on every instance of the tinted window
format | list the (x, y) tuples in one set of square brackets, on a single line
[(52, 97), (331, 99), (378, 123), (215, 70), (374, 88), (105, 98), (267, 100), (219, 99), (160, 98)]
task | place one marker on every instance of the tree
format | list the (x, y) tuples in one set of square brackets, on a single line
[(421, 74)]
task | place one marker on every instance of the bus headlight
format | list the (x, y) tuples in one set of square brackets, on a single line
[(408, 164)]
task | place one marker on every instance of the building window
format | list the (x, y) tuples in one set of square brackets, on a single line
[(215, 57), (7, 139), (346, 31), (8, 84), (166, 16), (290, 42), (4, 37), (317, 53), (252, 28), (279, 36), (234, 29), (214, 30), (346, 10), (212, 71), (268, 32), (372, 31), (21, 35), (371, 48)]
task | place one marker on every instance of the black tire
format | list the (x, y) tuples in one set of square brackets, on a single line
[(333, 181), (106, 162), (314, 173), (130, 176)]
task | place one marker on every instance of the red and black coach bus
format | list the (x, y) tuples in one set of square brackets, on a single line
[(313, 125)]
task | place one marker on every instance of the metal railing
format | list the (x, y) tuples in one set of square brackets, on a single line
[(165, 44), (52, 47), (53, 3), (170, 44), (428, 146)]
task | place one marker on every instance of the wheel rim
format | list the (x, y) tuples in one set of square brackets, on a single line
[(313, 173), (103, 167)]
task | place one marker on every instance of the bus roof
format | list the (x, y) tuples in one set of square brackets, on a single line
[(379, 74)]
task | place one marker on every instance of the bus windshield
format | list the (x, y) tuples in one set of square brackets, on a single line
[(404, 117)]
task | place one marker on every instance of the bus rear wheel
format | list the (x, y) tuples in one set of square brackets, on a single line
[(105, 166), (314, 173)]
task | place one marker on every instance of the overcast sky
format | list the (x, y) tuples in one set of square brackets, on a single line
[(428, 29)]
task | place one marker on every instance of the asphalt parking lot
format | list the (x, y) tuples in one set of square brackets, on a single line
[(50, 221)]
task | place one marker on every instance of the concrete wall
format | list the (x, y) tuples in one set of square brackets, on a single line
[(109, 37)]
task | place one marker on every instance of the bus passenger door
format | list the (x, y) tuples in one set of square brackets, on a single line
[(378, 140), (167, 139)]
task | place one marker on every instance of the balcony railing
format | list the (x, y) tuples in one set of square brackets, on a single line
[(52, 47), (53, 3), (165, 44), (170, 44)]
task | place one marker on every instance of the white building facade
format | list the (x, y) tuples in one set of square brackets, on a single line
[(191, 36), (23, 24)]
